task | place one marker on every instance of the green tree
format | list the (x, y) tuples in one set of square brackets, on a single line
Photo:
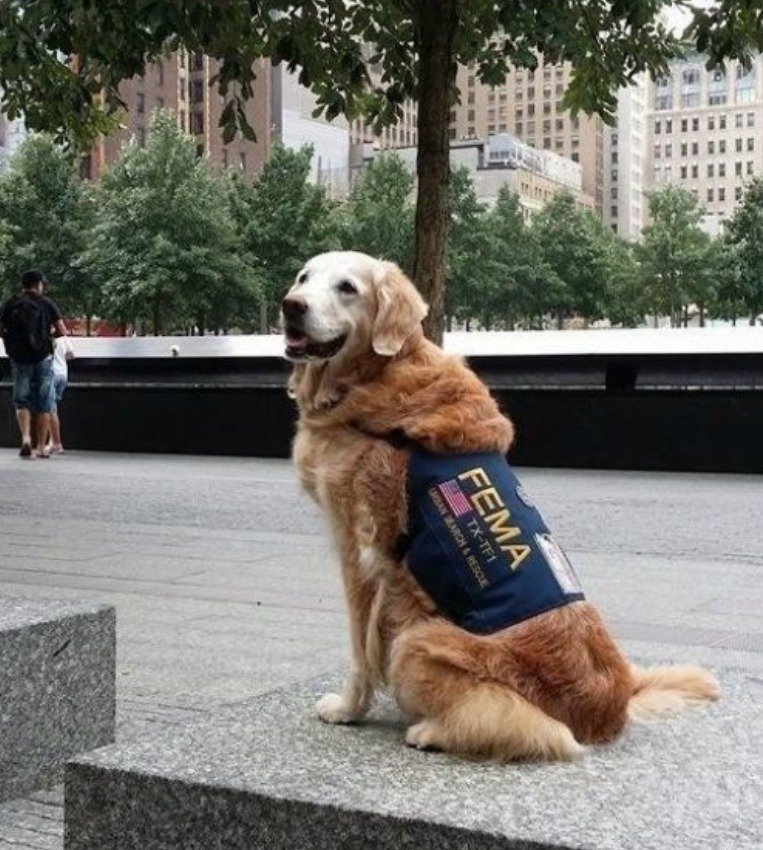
[(47, 215), (573, 244), (378, 215), (673, 252), (742, 280), (625, 300), (416, 45), (165, 247), (283, 218), (524, 286)]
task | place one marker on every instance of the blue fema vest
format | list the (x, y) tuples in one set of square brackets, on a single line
[(478, 547)]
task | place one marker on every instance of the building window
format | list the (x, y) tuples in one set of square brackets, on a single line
[(140, 103), (710, 195), (668, 151), (575, 156), (684, 125), (695, 172), (683, 172), (160, 73), (722, 146), (711, 147), (750, 143), (225, 153), (738, 145), (722, 122), (721, 169), (518, 128), (745, 85), (547, 109), (503, 128), (750, 166), (530, 110), (657, 127), (738, 169), (716, 88), (547, 143), (669, 125), (491, 129), (737, 193), (197, 61), (181, 120), (182, 58), (86, 167), (614, 139), (711, 170), (559, 124), (470, 115), (738, 120), (613, 211), (160, 103), (559, 144), (657, 151), (197, 123), (690, 99), (614, 156), (470, 98), (695, 148), (613, 193), (612, 173), (711, 122), (750, 119), (531, 93), (546, 126), (721, 194), (684, 148)]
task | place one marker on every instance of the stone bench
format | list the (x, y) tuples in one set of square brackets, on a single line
[(268, 774), (57, 688)]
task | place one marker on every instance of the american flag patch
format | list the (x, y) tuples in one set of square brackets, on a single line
[(455, 497)]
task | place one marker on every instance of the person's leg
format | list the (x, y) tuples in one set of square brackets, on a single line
[(56, 445), (45, 401), (22, 400)]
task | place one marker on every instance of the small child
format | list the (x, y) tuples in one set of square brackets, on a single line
[(62, 352)]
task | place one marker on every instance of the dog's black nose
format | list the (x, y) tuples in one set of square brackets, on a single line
[(293, 307)]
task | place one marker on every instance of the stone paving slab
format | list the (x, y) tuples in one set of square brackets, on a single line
[(269, 774), (57, 687)]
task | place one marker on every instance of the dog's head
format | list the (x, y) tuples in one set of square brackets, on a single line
[(344, 302)]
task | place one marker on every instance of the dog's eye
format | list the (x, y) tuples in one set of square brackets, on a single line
[(347, 287), (302, 277)]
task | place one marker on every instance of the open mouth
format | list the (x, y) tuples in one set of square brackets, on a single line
[(299, 346)]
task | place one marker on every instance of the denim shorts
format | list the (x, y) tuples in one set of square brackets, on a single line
[(33, 386)]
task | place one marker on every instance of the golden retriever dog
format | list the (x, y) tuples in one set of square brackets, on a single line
[(371, 390)]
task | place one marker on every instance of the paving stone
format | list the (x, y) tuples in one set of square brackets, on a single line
[(269, 774), (57, 688)]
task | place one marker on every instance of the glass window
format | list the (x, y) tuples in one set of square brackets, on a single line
[(684, 125), (575, 156), (695, 171), (750, 143), (710, 195), (722, 146), (547, 143), (197, 62), (721, 193), (711, 122), (722, 122), (738, 120), (657, 151), (721, 169), (613, 193), (750, 119), (669, 125), (690, 99), (140, 135), (657, 127), (668, 151), (738, 169), (710, 170), (560, 124), (750, 166), (197, 122), (518, 128), (737, 193), (470, 98), (695, 148), (711, 147), (684, 148), (738, 145), (531, 110), (695, 124), (613, 211), (683, 172)]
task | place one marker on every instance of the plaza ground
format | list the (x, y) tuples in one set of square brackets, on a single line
[(226, 585)]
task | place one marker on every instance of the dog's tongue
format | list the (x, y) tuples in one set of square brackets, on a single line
[(296, 339)]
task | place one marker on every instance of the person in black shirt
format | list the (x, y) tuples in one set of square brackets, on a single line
[(27, 321)]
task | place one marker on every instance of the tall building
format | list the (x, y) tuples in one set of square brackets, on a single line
[(12, 134), (625, 204), (293, 125), (705, 132), (529, 105), (180, 82)]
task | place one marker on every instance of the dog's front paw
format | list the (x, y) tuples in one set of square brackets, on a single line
[(332, 708), (425, 735)]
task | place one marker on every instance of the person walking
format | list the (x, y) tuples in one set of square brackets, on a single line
[(62, 353), (27, 322)]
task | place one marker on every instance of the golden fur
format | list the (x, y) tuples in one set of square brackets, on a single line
[(539, 689)]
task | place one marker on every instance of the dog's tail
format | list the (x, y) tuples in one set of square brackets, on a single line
[(669, 689)]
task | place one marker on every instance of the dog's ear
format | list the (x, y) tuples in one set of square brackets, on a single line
[(400, 311)]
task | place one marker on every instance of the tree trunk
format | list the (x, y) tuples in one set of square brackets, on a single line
[(88, 324), (263, 317), (753, 317), (435, 29), (560, 320), (701, 315)]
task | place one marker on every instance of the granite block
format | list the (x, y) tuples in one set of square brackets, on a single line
[(268, 774), (57, 688)]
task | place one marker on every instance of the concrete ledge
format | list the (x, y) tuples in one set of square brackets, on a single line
[(57, 688), (268, 774)]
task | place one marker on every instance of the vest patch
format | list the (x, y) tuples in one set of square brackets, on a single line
[(477, 544)]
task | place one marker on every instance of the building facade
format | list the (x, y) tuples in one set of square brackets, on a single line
[(12, 134), (624, 205), (503, 160), (705, 133), (293, 125), (529, 106), (180, 83)]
